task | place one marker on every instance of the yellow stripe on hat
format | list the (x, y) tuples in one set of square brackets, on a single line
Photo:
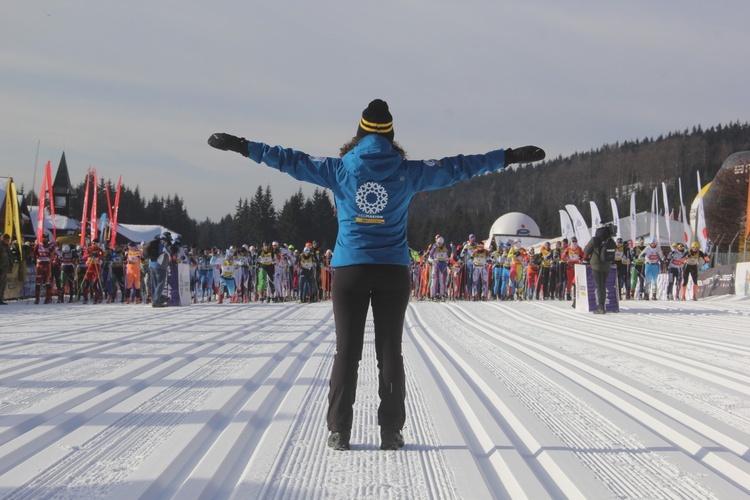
[(378, 128)]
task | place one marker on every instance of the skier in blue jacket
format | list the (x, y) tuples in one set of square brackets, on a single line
[(373, 184)]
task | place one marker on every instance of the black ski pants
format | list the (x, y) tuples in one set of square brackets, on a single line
[(600, 285), (354, 288)]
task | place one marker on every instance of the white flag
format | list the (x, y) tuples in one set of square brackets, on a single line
[(566, 226), (616, 216), (687, 231), (656, 217), (652, 218), (701, 234), (666, 211), (596, 219), (633, 224), (579, 225)]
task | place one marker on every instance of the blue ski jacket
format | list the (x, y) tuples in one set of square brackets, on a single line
[(373, 186)]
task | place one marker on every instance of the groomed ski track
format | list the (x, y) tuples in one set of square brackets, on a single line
[(505, 400)]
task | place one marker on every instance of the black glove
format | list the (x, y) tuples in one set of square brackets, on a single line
[(227, 142), (525, 154)]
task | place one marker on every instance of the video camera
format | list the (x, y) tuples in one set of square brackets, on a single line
[(606, 230)]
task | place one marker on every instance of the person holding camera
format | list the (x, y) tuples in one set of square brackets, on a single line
[(601, 252)]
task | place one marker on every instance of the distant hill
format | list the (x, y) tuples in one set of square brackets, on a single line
[(611, 171)]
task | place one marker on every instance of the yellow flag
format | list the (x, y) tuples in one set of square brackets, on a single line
[(8, 208)]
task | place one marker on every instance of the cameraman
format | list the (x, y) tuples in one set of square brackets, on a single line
[(158, 267), (601, 249)]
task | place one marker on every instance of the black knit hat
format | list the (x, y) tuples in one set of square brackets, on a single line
[(376, 119)]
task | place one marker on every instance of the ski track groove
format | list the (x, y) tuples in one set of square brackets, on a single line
[(665, 334), (721, 458), (67, 430), (239, 442), (728, 407), (44, 383), (152, 416), (501, 470), (295, 474), (21, 424), (46, 356), (617, 459)]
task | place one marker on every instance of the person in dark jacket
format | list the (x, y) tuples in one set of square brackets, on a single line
[(373, 184), (158, 267), (599, 265), (6, 265)]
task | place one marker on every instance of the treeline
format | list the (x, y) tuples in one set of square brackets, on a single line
[(254, 220), (611, 171), (540, 191)]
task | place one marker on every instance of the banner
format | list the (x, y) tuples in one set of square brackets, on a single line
[(103, 226), (652, 216), (94, 229), (579, 225), (84, 217), (16, 221), (9, 214), (633, 224), (716, 281), (51, 193), (742, 279), (616, 217), (566, 226), (14, 285), (586, 290), (40, 211), (666, 210), (596, 219), (687, 231), (178, 284), (114, 214), (109, 201), (701, 233)]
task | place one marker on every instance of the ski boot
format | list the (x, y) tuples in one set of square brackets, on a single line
[(391, 440)]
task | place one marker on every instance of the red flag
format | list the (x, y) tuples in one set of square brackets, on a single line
[(48, 174), (84, 218), (94, 230), (109, 202), (40, 212), (114, 215)]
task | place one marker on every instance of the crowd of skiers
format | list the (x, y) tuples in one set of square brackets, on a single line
[(137, 272), (472, 271)]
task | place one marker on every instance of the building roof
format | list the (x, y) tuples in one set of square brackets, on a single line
[(61, 185)]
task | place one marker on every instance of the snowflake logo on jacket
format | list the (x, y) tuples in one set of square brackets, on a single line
[(371, 198)]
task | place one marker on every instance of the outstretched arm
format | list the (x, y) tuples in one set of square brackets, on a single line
[(301, 166), (435, 174)]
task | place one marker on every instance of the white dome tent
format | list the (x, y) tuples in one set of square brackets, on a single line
[(515, 225)]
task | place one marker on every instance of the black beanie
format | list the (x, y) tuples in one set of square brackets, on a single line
[(376, 119)]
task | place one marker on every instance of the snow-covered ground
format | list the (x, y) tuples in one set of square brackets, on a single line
[(514, 400)]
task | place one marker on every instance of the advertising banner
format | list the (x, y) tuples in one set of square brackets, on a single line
[(586, 290), (742, 280), (178, 285), (13, 287), (716, 281)]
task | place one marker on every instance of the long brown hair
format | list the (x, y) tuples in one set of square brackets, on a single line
[(355, 140)]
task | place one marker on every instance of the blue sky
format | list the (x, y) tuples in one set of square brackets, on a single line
[(135, 88)]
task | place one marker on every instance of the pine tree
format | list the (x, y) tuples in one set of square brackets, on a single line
[(323, 219), (292, 220)]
